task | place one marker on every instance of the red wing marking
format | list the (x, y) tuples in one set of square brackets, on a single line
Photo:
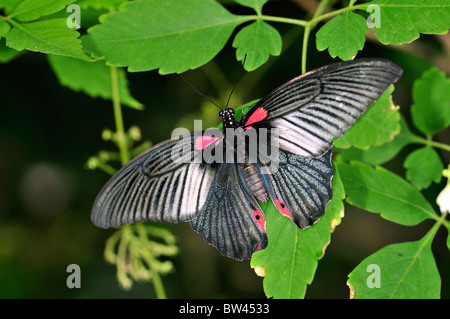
[(260, 220), (257, 116), (202, 142), (283, 209)]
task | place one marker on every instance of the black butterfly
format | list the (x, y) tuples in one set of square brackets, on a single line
[(219, 198)]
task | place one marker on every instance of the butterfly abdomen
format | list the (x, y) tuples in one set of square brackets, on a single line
[(254, 181)]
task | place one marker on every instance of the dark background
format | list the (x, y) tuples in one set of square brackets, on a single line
[(47, 133)]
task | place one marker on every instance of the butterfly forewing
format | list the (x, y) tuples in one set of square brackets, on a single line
[(313, 109), (162, 184)]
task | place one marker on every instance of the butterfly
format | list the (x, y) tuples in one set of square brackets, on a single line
[(208, 179)]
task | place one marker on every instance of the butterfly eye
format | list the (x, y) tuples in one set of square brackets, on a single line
[(231, 111)]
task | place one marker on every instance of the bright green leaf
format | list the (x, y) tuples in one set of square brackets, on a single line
[(7, 54), (93, 78), (4, 28), (378, 125), (171, 35), (431, 108), (46, 36), (380, 154), (406, 270), (34, 9), (9, 5), (423, 166), (258, 41), (291, 257), (100, 4), (255, 4), (380, 191), (343, 35), (402, 21)]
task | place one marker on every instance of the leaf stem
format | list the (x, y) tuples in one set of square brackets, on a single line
[(121, 136), (429, 142), (157, 282)]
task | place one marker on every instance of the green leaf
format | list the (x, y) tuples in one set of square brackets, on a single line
[(171, 35), (7, 54), (291, 257), (9, 5), (34, 9), (92, 78), (100, 4), (406, 270), (255, 4), (423, 166), (380, 154), (431, 108), (402, 21), (47, 36), (381, 191), (378, 125), (258, 41), (4, 28), (343, 36)]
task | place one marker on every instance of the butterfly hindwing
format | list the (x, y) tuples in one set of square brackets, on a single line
[(316, 107), (231, 219), (301, 187)]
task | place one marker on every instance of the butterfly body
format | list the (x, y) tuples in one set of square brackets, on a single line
[(280, 150)]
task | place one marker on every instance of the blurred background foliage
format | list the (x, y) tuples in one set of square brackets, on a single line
[(47, 133)]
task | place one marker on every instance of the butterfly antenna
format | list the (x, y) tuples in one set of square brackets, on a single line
[(237, 80), (201, 94)]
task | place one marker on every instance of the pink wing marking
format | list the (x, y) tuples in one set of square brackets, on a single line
[(260, 220), (283, 209), (259, 115), (202, 142)]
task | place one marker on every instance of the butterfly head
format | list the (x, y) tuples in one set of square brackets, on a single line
[(227, 116)]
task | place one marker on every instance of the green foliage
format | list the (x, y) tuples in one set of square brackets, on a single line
[(130, 38), (173, 36), (431, 108), (92, 78), (257, 41), (343, 36), (407, 270), (424, 166)]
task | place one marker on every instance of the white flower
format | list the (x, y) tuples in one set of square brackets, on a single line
[(443, 200)]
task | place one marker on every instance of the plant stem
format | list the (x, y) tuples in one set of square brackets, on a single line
[(125, 157), (120, 130), (430, 142), (157, 282)]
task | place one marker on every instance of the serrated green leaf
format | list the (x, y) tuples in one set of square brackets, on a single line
[(291, 257), (431, 107), (380, 191), (378, 125), (258, 41), (7, 54), (423, 167), (406, 270), (343, 36), (378, 155), (255, 4), (34, 9), (169, 35), (92, 78), (403, 21), (100, 4), (4, 28), (46, 36)]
